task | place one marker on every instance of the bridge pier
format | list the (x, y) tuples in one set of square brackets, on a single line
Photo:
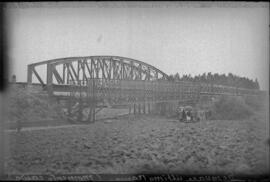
[(149, 108), (80, 111), (134, 109), (163, 108), (92, 114), (144, 108), (129, 109), (69, 105), (157, 108)]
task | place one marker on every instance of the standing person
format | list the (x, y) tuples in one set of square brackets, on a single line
[(188, 115), (208, 114), (183, 115), (193, 115), (13, 79), (201, 115), (179, 113)]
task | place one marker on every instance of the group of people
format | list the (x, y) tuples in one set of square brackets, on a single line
[(191, 114), (185, 115)]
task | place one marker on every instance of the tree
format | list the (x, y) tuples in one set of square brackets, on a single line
[(171, 78), (221, 79), (257, 86), (177, 77)]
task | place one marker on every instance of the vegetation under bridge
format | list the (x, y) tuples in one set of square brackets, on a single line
[(105, 81)]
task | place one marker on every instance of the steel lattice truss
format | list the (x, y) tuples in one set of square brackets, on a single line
[(62, 71), (103, 81), (120, 80)]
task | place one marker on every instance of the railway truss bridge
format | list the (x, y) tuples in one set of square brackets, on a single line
[(88, 84)]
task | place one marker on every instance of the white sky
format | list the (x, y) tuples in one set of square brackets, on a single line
[(187, 40)]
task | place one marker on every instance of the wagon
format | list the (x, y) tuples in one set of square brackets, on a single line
[(188, 114)]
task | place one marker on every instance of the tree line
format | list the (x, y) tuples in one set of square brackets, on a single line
[(219, 79)]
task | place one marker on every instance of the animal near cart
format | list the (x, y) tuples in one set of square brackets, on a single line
[(188, 114)]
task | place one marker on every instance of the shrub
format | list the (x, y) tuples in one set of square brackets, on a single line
[(256, 102), (231, 107), (23, 106)]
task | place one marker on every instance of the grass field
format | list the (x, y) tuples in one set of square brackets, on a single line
[(143, 144)]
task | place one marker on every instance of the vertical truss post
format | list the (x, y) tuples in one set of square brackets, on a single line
[(114, 69), (140, 71), (49, 78), (122, 71), (68, 72), (131, 70), (144, 96), (64, 74), (92, 69), (29, 74), (78, 71), (96, 65), (83, 73), (110, 69)]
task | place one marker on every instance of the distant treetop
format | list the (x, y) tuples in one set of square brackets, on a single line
[(219, 79)]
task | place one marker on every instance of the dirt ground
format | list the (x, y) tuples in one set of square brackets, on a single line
[(54, 123), (143, 144)]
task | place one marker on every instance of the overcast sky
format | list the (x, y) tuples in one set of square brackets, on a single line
[(187, 40)]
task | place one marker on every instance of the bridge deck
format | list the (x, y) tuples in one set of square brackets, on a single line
[(126, 92)]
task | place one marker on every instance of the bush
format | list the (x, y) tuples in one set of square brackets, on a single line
[(230, 108), (256, 103), (25, 106)]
